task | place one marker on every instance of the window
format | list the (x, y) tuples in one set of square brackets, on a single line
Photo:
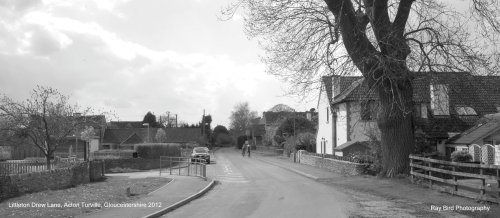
[(327, 114), (440, 99), (368, 110), (465, 111)]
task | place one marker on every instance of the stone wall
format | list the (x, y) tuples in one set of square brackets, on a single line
[(338, 166), (14, 185)]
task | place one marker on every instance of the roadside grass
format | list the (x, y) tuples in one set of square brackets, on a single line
[(111, 190)]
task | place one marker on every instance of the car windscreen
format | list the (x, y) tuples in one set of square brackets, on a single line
[(200, 150)]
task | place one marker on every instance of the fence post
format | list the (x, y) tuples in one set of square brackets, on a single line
[(160, 166), (430, 174), (204, 168), (498, 181), (189, 167), (411, 170), (170, 164), (455, 179), (483, 181)]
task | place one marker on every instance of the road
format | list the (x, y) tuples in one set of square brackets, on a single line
[(252, 188)]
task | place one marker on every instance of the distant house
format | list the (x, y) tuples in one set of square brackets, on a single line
[(126, 138), (273, 118), (445, 104), (257, 130)]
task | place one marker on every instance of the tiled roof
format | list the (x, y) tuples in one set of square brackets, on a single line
[(125, 124), (479, 92), (179, 135), (183, 134), (482, 128), (439, 127)]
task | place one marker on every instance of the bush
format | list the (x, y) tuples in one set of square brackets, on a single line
[(241, 140), (155, 150), (279, 140), (306, 141), (223, 140), (461, 156)]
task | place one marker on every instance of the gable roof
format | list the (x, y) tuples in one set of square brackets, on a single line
[(125, 124), (483, 128), (140, 135), (479, 92)]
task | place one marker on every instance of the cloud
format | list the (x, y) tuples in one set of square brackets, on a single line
[(101, 68)]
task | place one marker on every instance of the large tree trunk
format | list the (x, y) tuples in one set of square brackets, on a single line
[(47, 158), (396, 125)]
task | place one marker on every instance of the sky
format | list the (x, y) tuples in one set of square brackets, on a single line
[(134, 56)]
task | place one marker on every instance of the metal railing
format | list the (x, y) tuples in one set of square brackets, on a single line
[(184, 166)]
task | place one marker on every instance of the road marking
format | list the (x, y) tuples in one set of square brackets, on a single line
[(231, 177)]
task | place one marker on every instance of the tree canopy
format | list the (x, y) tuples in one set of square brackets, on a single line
[(241, 117), (150, 119)]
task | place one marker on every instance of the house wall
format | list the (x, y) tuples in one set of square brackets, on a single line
[(325, 123), (493, 139), (341, 125), (94, 145), (360, 130)]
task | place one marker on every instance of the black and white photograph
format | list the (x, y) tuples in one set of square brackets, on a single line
[(249, 108)]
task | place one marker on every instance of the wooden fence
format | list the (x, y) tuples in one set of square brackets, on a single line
[(474, 180), (22, 166)]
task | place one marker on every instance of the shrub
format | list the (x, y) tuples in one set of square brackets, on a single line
[(223, 140), (461, 156), (279, 140), (241, 140), (155, 150), (306, 141)]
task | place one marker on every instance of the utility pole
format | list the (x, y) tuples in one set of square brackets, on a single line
[(168, 118), (176, 121)]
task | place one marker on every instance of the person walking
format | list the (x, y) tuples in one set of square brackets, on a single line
[(245, 148)]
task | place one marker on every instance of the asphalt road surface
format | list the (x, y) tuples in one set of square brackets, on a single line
[(252, 188)]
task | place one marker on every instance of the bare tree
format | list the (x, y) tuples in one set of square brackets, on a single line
[(241, 118), (387, 41), (46, 119), (161, 136)]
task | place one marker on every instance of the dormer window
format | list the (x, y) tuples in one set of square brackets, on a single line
[(439, 99), (465, 111)]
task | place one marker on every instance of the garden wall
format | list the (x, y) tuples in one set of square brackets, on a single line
[(338, 166), (135, 163), (14, 185)]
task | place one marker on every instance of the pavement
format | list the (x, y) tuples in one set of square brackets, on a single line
[(178, 192)]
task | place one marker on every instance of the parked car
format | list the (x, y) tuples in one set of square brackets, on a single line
[(200, 153)]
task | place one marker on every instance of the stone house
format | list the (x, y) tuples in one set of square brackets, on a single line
[(445, 104)]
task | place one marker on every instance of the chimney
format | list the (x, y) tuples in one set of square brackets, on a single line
[(440, 101), (335, 85)]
